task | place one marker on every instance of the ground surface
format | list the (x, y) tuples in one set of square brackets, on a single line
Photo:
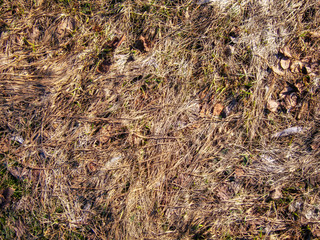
[(159, 119)]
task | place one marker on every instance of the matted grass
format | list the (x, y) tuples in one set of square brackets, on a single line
[(157, 119)]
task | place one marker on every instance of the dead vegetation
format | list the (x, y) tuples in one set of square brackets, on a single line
[(159, 119)]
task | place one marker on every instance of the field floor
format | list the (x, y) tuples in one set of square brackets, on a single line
[(159, 119)]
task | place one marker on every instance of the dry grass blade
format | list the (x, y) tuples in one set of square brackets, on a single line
[(159, 119)]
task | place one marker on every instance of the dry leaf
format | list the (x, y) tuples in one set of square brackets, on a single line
[(286, 91), (229, 50), (290, 101), (276, 194), (97, 28), (296, 67), (114, 43), (285, 63), (4, 145), (203, 111), (217, 109), (315, 34), (299, 86), (316, 142), (287, 132), (225, 192), (104, 134), (286, 52), (277, 71), (66, 26), (104, 66), (92, 167), (19, 172), (303, 109), (5, 196), (143, 44), (239, 172), (272, 105)]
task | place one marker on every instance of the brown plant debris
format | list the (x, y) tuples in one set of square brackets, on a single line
[(289, 98), (272, 105), (314, 34), (286, 52), (288, 131), (217, 109), (285, 63), (143, 44), (159, 119), (5, 196)]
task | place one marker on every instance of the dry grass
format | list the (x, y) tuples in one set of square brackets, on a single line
[(101, 140)]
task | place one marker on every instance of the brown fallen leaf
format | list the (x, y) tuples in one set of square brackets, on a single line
[(289, 98), (5, 196), (285, 51), (97, 28), (143, 44), (217, 109), (229, 50), (65, 27), (288, 132), (296, 66), (111, 45), (285, 63), (300, 86), (272, 105), (276, 194), (104, 134), (303, 110), (290, 102), (277, 71), (224, 192), (19, 172), (316, 142), (92, 167), (239, 172), (4, 145), (104, 66), (314, 34), (306, 60), (203, 111)]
